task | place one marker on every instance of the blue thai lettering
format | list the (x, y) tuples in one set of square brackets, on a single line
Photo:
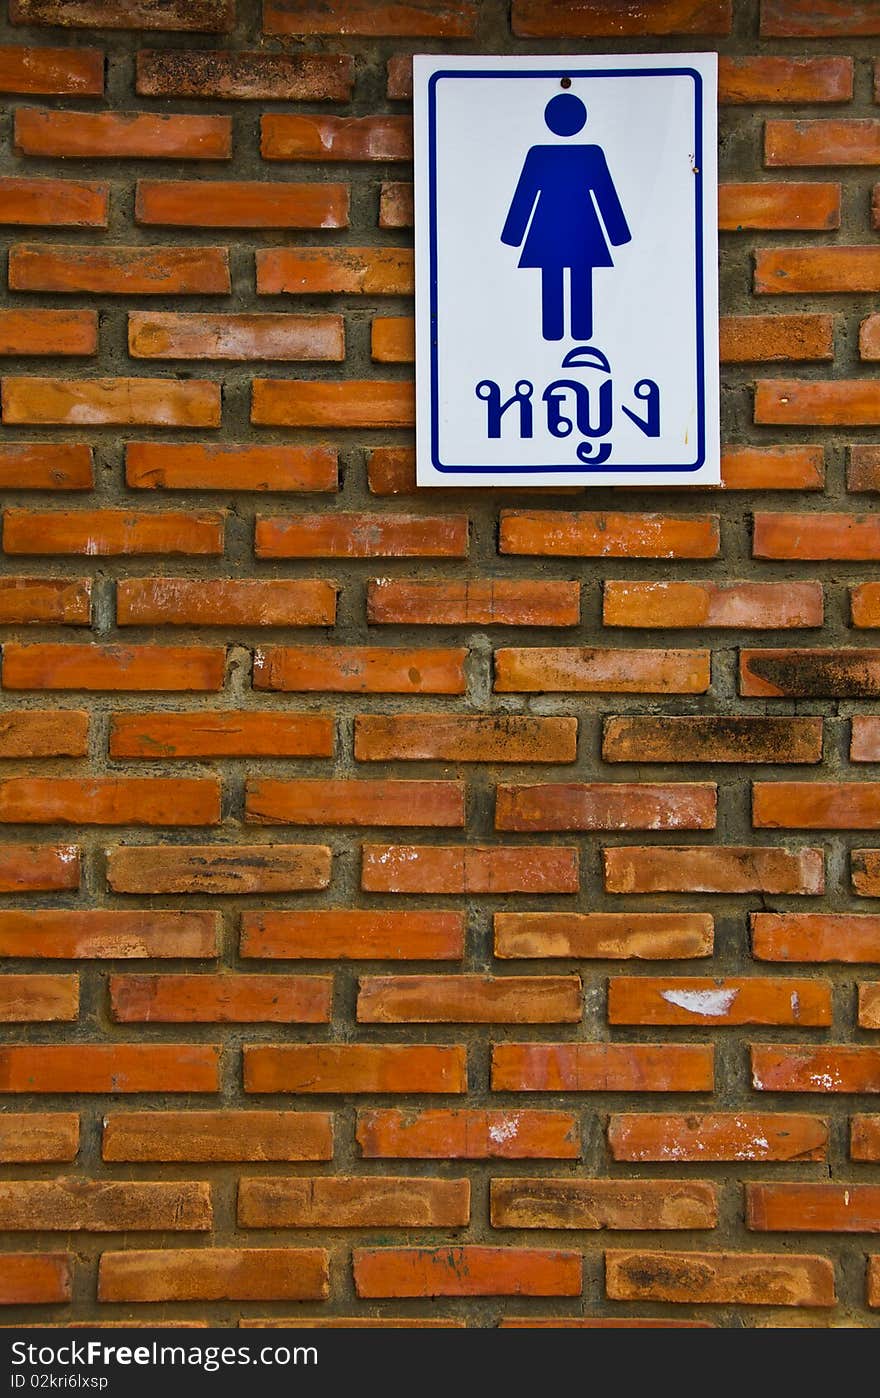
[(490, 393)]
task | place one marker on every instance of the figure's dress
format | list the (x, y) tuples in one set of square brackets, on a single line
[(564, 185)]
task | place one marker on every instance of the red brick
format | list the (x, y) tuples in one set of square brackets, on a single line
[(546, 19), (466, 1271), (869, 1005), (810, 674), (94, 933), (121, 135), (713, 869), (226, 602), (594, 1204), (343, 802), (105, 1206), (251, 77), (606, 806), (353, 934), (48, 203), (417, 19), (221, 734), (118, 271), (399, 86), (38, 869), (744, 605), (111, 402), (483, 602), (819, 19), (602, 1067), (815, 1068), (45, 600), (865, 1138), (603, 936), (289, 136), (38, 1137), (816, 536), (217, 868), (393, 340), (111, 532), (395, 204), (815, 937), (241, 204), (169, 335), (43, 732), (37, 1000), (552, 533), (866, 872), (354, 1068), (468, 1135), (717, 1136), (178, 466), (346, 535), (799, 271), (351, 1201), (720, 1278), (217, 1136), (35, 1279), (469, 869), (816, 805), (115, 1067), (470, 999), (840, 142), (768, 205), (51, 72), (48, 332), (464, 738), (869, 338), (110, 800), (351, 271), (762, 79), (215, 1274), (223, 999), (46, 466), (599, 671), (360, 670), (838, 403), (712, 738), (761, 338), (361, 403), (773, 468), (94, 667), (392, 471), (200, 16), (715, 1001), (863, 469)]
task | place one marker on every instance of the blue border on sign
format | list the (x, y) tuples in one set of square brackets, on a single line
[(581, 468)]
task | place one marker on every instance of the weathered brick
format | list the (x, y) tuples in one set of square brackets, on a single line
[(45, 600), (94, 667), (469, 999), (45, 203), (594, 1204), (839, 142), (175, 466), (464, 738), (717, 1001), (111, 532), (38, 1137), (712, 738), (353, 934), (818, 19), (551, 533), (361, 403), (289, 136), (118, 271), (217, 1136), (215, 1274), (110, 800), (865, 1138), (117, 135), (816, 536), (90, 934), (350, 1201), (395, 204), (201, 16), (768, 78), (242, 204), (371, 271), (43, 71), (371, 18), (713, 869), (471, 1134), (717, 1136), (866, 872), (599, 1323), (272, 77), (816, 937), (751, 339), (869, 1005), (606, 806), (457, 602), (40, 999), (815, 1068), (217, 869), (343, 802), (223, 999), (48, 332), (869, 338), (744, 605), (43, 732), (38, 869), (227, 602), (601, 671), (46, 466), (720, 1278), (466, 1271), (799, 271), (360, 669), (354, 1068), (36, 1278), (545, 19), (111, 402), (345, 535), (603, 936), (116, 1067), (602, 1067), (393, 340), (816, 805), (69, 1204), (399, 85), (788, 206), (863, 469), (169, 335), (772, 468), (229, 733), (810, 674), (468, 869)]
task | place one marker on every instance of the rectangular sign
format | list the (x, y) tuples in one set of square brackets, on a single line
[(567, 270)]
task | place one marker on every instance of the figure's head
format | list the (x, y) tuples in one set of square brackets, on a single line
[(565, 114)]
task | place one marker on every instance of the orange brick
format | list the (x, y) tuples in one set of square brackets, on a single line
[(839, 403), (810, 674), (215, 1274), (551, 533), (38, 869), (37, 1000), (717, 1136), (217, 1136), (481, 602), (395, 204), (110, 532), (865, 1138), (38, 1137), (36, 1279), (816, 937), (603, 936), (794, 19), (594, 1204), (240, 204), (713, 869), (46, 466), (110, 1068), (464, 738), (170, 335), (343, 802), (95, 933), (392, 471), (226, 602), (288, 136), (468, 1135), (225, 734), (755, 606), (863, 469), (371, 18), (110, 800), (120, 135), (716, 1001), (105, 1206), (393, 340), (816, 805), (361, 403), (346, 535), (94, 667), (353, 934), (48, 332), (771, 79), (761, 338), (175, 466), (869, 1005), (866, 872), (250, 77), (118, 271), (468, 869), (360, 670), (606, 806), (602, 1067), (54, 203), (43, 732), (869, 338), (799, 271), (712, 738), (816, 536), (788, 206), (224, 999), (45, 600), (466, 1271), (371, 271), (111, 402), (598, 671), (471, 999), (51, 72), (841, 142), (202, 16), (773, 468), (720, 1278), (545, 19), (351, 1201), (815, 1068), (354, 1068), (217, 868)]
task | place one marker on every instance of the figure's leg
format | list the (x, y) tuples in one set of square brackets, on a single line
[(552, 305), (582, 302)]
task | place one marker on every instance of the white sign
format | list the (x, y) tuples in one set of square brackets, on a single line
[(567, 270)]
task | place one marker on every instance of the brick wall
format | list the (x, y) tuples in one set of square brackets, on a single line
[(423, 907)]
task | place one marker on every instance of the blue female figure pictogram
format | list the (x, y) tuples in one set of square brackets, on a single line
[(564, 196)]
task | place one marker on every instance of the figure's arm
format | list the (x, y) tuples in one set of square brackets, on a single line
[(608, 202), (521, 204)]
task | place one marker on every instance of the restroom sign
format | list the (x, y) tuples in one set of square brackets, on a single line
[(567, 270)]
